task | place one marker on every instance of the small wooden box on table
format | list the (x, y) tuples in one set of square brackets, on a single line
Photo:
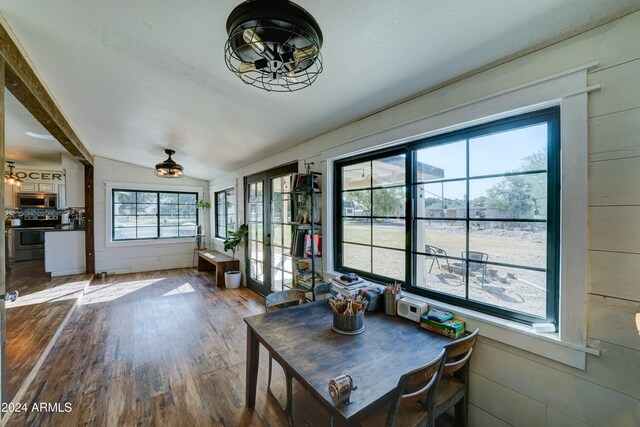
[(218, 262)]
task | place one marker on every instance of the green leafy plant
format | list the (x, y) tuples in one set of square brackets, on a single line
[(235, 238), (203, 204)]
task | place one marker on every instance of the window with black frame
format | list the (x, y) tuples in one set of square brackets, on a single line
[(225, 212), (141, 215), (372, 223), (484, 217)]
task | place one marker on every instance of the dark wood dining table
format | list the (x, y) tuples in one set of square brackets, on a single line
[(302, 341)]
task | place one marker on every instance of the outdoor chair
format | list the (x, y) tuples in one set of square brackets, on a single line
[(453, 390), (433, 251), (285, 298), (477, 262)]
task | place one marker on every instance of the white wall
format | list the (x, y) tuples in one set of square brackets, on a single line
[(510, 386), (134, 257)]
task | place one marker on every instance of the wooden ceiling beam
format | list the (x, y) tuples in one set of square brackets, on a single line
[(24, 84)]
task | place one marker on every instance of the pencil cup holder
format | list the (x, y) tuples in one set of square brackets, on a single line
[(348, 323), (390, 303)]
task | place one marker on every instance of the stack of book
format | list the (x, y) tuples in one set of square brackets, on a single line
[(348, 289), (304, 275), (443, 323)]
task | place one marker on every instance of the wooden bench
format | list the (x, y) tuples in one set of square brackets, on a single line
[(218, 262)]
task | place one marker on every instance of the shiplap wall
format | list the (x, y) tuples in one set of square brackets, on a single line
[(510, 386), (148, 257)]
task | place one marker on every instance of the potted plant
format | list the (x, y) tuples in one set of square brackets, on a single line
[(232, 278)]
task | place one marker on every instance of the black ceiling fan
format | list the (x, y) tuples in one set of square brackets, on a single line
[(274, 45)]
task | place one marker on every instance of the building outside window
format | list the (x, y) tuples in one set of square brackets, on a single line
[(141, 215), (225, 212), (470, 218)]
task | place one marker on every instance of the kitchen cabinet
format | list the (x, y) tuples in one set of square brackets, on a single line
[(10, 196), (64, 252), (62, 196), (29, 187), (34, 187), (47, 188), (74, 188)]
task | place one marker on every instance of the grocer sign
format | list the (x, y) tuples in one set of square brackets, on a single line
[(28, 175)]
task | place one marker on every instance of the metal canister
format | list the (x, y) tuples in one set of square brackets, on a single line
[(340, 389)]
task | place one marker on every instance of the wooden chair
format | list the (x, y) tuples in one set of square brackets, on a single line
[(285, 298), (414, 401), (454, 384), (321, 290)]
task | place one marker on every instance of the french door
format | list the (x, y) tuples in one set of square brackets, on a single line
[(268, 212)]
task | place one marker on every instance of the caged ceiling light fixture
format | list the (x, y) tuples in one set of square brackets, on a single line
[(12, 179), (169, 168), (273, 45)]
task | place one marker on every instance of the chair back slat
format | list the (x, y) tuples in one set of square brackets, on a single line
[(321, 289), (419, 385), (459, 352), (283, 297)]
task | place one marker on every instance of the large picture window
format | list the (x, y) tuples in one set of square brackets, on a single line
[(482, 225), (139, 215), (225, 212)]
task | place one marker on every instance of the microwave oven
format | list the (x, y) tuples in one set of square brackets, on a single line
[(37, 200)]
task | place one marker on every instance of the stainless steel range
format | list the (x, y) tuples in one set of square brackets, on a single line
[(29, 238)]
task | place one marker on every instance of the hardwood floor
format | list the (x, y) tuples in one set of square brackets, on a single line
[(162, 348), (34, 319)]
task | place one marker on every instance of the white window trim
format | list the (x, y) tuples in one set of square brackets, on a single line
[(569, 90), (109, 186)]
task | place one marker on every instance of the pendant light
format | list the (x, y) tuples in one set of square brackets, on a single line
[(169, 168), (273, 45), (11, 179)]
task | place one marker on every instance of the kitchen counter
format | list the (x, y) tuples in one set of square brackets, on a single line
[(57, 228), (64, 253)]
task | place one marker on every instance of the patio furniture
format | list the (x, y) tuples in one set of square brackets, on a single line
[(477, 262), (433, 252)]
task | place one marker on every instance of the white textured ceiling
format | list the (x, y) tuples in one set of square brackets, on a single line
[(135, 77), (26, 150)]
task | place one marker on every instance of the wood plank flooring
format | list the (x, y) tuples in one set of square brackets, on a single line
[(35, 317), (157, 349)]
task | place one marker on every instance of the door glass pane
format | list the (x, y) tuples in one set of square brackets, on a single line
[(255, 231), (281, 262)]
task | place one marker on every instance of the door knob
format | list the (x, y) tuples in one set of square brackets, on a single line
[(10, 296), (267, 241)]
